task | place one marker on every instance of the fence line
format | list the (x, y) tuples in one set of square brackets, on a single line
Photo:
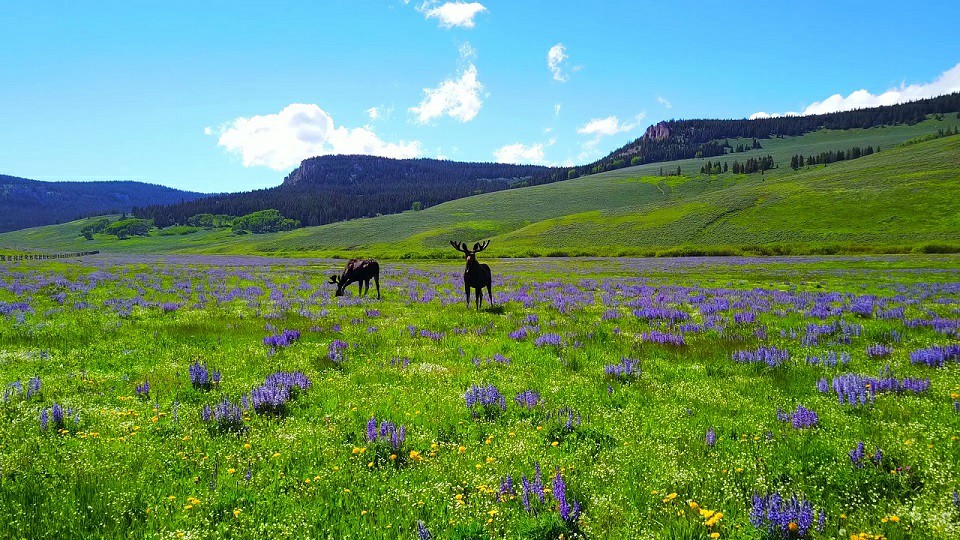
[(45, 256)]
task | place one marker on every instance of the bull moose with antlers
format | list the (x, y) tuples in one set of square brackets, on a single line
[(476, 275), (361, 272)]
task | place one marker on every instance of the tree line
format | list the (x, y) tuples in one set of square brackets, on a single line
[(823, 158), (328, 189)]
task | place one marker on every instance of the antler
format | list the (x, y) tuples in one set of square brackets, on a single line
[(478, 247), (459, 246)]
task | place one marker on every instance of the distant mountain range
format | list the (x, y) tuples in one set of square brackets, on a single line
[(30, 203)]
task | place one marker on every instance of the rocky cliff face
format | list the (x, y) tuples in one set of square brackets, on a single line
[(658, 131)]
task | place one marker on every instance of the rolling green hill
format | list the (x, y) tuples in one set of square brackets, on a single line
[(900, 199)]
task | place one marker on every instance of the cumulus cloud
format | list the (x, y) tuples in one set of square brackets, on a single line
[(663, 101), (602, 127), (452, 14), (459, 98), (948, 82), (208, 130), (556, 110), (299, 131), (520, 153), (555, 58)]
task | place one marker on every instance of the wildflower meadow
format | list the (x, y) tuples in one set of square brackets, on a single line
[(222, 397)]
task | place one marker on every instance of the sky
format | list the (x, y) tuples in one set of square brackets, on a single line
[(230, 96)]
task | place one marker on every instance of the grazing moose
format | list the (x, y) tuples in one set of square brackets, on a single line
[(359, 271), (475, 276)]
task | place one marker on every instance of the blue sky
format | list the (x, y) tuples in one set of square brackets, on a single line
[(227, 96)]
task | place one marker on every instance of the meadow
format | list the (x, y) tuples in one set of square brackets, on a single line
[(229, 397), (900, 200)]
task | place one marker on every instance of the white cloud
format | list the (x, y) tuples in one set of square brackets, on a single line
[(208, 130), (555, 58), (663, 101), (556, 110), (948, 82), (459, 98), (299, 131), (602, 127), (519, 153), (452, 14), (380, 112), (467, 51)]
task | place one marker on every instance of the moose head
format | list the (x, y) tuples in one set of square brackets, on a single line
[(470, 254), (341, 284)]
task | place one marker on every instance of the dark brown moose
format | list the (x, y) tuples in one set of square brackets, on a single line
[(475, 276), (361, 272)]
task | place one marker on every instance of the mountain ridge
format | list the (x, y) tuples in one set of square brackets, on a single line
[(28, 203)]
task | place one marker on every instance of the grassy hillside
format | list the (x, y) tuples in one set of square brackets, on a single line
[(901, 199)]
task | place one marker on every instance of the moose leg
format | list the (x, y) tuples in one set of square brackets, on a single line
[(359, 288), (490, 294), (466, 289), (479, 293), (376, 279), (366, 287)]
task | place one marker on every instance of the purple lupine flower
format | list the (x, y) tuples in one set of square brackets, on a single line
[(201, 378), (626, 370), (856, 455), (485, 400), (711, 437), (937, 355), (335, 350), (771, 356), (804, 418), (801, 418), (227, 416), (423, 533), (55, 417), (878, 456), (568, 512), (283, 339), (663, 338), (879, 350), (538, 481), (525, 493), (786, 518), (387, 432), (528, 398), (823, 386), (33, 386), (546, 340), (519, 334), (143, 390), (506, 486)]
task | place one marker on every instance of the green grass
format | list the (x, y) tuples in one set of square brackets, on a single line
[(900, 200), (151, 468)]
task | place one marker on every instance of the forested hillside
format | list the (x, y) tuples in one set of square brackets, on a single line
[(685, 139), (31, 203), (328, 189)]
